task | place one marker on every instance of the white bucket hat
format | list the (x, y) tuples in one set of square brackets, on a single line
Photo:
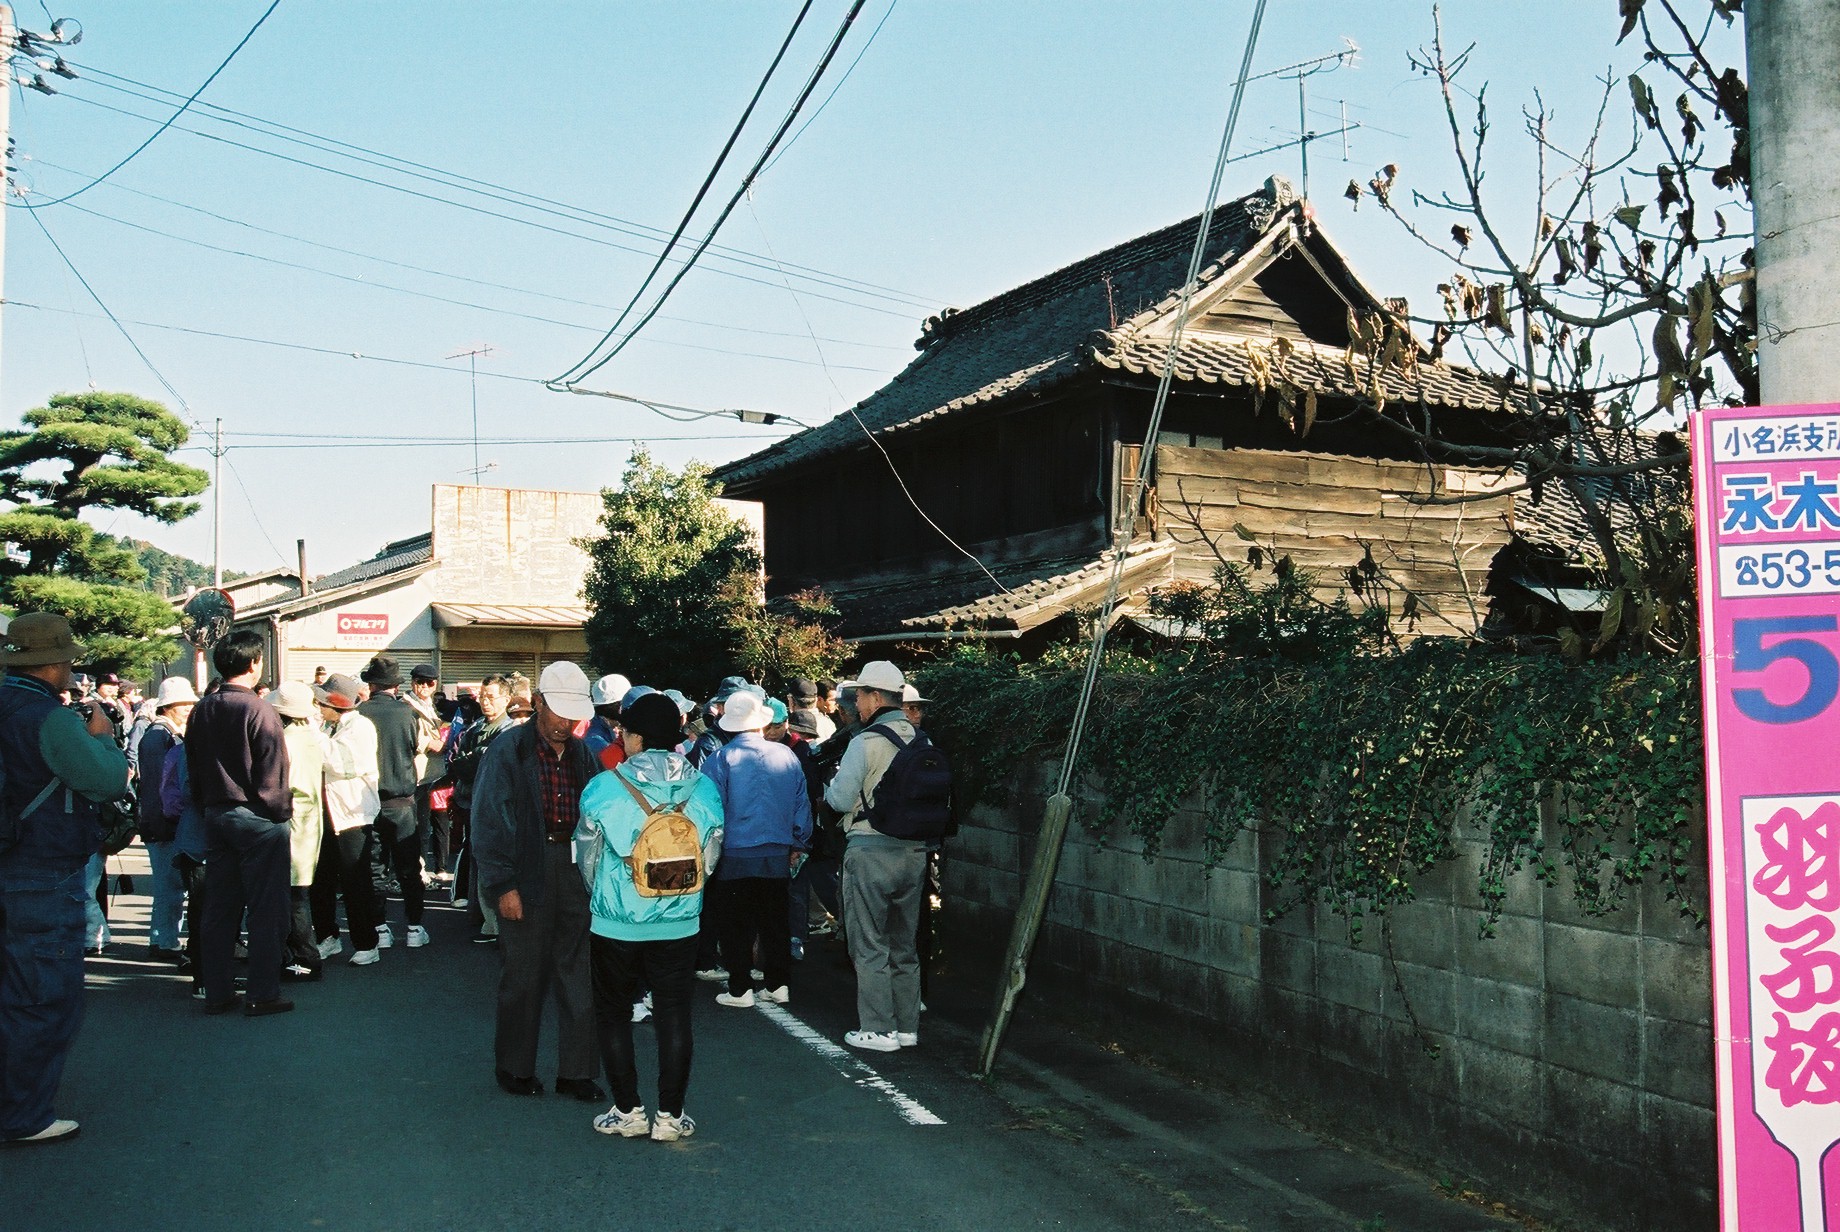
[(744, 712), (293, 699), (174, 691), (609, 689), (565, 690), (883, 676)]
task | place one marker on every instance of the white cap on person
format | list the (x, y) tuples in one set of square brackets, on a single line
[(565, 690), (744, 712), (883, 676), (609, 689)]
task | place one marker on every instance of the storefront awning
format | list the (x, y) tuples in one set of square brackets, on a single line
[(508, 616)]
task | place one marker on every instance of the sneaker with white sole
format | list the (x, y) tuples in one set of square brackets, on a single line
[(641, 1011), (330, 947), (364, 958), (461, 901), (626, 1124), (744, 1002), (713, 975), (385, 938), (668, 1128), (778, 996), (63, 1130), (757, 973), (417, 936), (873, 1041), (907, 1039)]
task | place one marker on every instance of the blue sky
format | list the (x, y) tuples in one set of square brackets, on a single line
[(974, 146)]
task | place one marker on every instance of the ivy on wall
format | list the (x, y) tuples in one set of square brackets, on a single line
[(1356, 756)]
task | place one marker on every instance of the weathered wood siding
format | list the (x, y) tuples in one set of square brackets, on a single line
[(1327, 512)]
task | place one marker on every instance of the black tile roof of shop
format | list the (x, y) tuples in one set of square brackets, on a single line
[(394, 558)]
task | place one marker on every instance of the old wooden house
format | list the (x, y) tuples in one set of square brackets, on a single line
[(1015, 439)]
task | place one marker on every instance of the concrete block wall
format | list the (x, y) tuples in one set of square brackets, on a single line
[(1563, 1064)]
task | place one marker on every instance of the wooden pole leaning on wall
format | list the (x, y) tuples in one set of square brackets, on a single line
[(1030, 912)]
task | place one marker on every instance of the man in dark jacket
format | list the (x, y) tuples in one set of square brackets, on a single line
[(56, 774), (526, 802), (158, 827), (238, 765), (399, 739)]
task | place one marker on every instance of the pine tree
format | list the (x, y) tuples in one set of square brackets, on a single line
[(84, 453)]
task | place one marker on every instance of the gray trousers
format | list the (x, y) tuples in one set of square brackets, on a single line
[(548, 949), (882, 886)]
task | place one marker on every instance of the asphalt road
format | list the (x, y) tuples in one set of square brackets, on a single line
[(373, 1107)]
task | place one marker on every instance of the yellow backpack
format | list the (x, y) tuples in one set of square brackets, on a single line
[(667, 857)]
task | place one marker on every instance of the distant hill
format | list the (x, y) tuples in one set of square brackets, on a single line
[(168, 574)]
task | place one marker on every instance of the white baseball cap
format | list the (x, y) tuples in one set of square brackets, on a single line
[(883, 676), (609, 689), (565, 690)]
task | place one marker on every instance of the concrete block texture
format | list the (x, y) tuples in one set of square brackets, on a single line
[(1604, 1118), (1598, 1040), (1592, 964), (1677, 1060), (1515, 954), (1677, 979), (1233, 894), (1350, 977), (1509, 1017)]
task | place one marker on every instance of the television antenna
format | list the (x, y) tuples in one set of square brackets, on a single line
[(472, 368)]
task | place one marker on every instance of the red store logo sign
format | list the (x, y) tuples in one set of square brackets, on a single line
[(363, 624)]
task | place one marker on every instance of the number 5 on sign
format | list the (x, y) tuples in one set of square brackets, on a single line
[(1751, 653)]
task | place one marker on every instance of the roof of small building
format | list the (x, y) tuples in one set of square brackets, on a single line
[(394, 558), (1100, 313)]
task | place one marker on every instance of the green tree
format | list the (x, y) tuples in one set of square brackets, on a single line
[(671, 579), (91, 453)]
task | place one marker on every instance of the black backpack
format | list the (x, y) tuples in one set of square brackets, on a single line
[(914, 798)]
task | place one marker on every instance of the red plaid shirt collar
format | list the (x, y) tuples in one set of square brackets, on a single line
[(560, 783)]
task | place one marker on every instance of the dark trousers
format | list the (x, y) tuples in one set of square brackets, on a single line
[(400, 850), (816, 876), (41, 988), (246, 867), (621, 968), (749, 910), (345, 866), (301, 950), (436, 830), (548, 950)]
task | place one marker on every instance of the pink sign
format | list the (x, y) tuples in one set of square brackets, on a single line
[(1767, 499)]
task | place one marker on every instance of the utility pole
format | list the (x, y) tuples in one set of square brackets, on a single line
[(217, 505), (9, 39), (472, 368), (1790, 48)]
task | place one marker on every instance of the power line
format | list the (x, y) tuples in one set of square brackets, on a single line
[(790, 141), (429, 295), (413, 268), (583, 369), (467, 184), (344, 443), (250, 501), (154, 136)]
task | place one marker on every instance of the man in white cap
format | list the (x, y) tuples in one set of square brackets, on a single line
[(526, 803), (58, 769), (172, 708), (882, 875)]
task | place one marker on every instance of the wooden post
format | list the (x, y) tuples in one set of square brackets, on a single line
[(1029, 915)]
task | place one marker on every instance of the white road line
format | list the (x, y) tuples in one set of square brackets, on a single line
[(851, 1066)]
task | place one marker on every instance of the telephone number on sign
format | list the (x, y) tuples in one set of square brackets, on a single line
[(1807, 569)]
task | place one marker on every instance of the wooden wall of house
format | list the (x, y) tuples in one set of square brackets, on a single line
[(1326, 512), (1035, 477)]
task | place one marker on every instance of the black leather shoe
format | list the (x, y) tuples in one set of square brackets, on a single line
[(160, 954), (582, 1089), (513, 1085), (260, 1009)]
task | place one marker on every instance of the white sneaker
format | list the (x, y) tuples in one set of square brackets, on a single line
[(385, 938), (364, 958), (330, 947), (713, 975), (757, 973), (641, 1011), (417, 937), (744, 1002), (778, 996), (57, 1131), (907, 1039), (626, 1124), (873, 1041), (667, 1128), (461, 901)]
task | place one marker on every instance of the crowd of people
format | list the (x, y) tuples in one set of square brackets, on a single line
[(616, 842)]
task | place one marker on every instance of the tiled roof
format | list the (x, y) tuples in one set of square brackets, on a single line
[(1025, 339), (1554, 523), (395, 557), (962, 597), (1214, 360)]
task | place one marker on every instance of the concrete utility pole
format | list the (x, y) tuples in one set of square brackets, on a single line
[(9, 38), (1791, 47), (217, 505)]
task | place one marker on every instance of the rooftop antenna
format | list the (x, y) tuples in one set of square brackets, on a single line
[(1302, 71), (472, 368)]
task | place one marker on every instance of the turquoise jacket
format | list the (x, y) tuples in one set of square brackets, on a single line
[(610, 823)]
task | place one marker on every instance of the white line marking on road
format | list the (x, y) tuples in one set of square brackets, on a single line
[(850, 1066)]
